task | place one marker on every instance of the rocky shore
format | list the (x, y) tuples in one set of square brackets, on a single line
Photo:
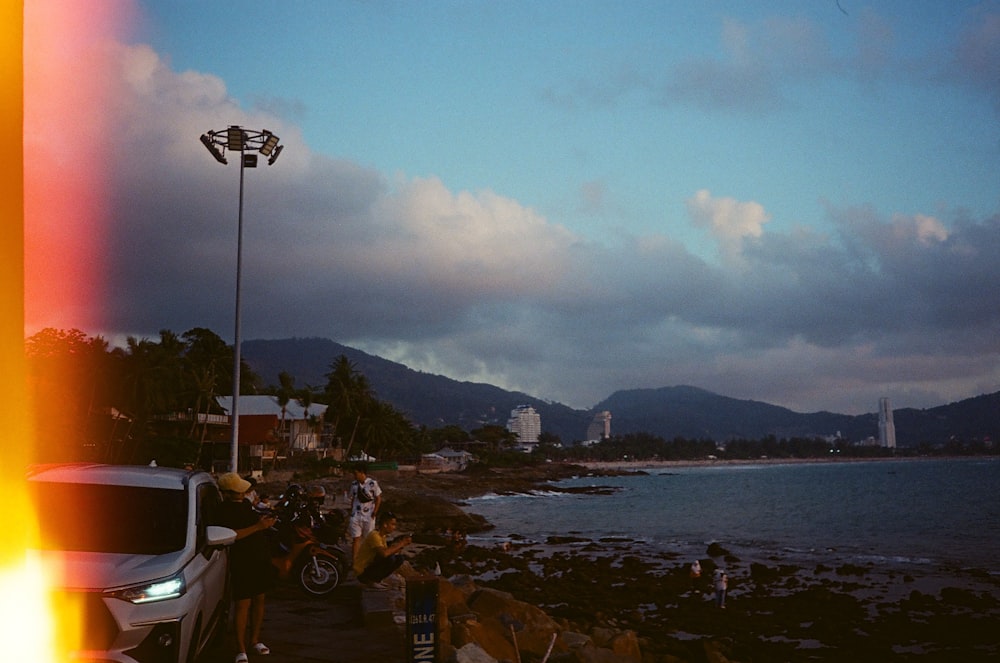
[(775, 611)]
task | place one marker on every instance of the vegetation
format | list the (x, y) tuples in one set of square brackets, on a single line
[(154, 399)]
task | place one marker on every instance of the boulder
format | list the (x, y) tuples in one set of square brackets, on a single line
[(473, 653), (622, 643), (532, 628), (574, 640), (489, 638), (596, 655)]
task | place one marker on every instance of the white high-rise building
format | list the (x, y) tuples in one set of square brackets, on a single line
[(600, 426), (527, 424), (886, 428)]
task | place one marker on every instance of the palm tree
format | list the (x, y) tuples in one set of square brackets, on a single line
[(153, 380), (348, 393), (206, 358), (286, 389), (385, 430)]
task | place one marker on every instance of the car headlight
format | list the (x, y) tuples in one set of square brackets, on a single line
[(150, 592)]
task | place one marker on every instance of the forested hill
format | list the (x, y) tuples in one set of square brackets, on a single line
[(427, 399), (435, 400)]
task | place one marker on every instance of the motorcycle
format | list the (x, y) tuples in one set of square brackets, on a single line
[(306, 547)]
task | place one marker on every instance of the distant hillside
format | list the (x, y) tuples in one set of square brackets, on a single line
[(427, 399), (435, 400), (695, 413)]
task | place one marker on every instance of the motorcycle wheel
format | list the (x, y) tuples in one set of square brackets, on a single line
[(319, 577)]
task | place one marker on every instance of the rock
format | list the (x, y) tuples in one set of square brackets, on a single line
[(595, 655), (472, 653), (626, 643), (465, 584), (501, 612), (714, 652), (489, 638), (622, 643), (574, 640)]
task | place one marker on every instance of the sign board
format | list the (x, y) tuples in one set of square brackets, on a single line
[(421, 620)]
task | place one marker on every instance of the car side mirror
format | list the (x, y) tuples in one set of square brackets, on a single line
[(216, 537)]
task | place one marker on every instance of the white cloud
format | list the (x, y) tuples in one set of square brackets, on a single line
[(480, 286), (727, 219)]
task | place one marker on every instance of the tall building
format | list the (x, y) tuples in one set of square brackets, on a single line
[(600, 426), (527, 424), (886, 429)]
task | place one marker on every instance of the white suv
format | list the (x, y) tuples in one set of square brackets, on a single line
[(132, 547)]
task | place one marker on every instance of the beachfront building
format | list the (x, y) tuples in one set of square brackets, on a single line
[(886, 428), (600, 427), (526, 423)]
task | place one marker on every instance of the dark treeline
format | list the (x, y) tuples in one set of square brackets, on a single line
[(157, 399)]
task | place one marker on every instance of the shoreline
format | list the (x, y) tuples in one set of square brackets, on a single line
[(777, 609), (637, 465)]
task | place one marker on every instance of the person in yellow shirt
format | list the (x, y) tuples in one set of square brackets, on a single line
[(376, 559)]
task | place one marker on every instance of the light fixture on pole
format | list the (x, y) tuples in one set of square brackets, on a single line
[(238, 139)]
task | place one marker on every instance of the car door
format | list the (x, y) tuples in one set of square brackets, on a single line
[(210, 564)]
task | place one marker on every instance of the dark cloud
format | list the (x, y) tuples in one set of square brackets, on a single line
[(479, 286)]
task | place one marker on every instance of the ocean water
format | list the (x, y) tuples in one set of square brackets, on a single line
[(893, 513)]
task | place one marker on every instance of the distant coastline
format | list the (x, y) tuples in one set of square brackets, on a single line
[(637, 465)]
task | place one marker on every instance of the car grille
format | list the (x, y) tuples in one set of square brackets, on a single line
[(91, 619)]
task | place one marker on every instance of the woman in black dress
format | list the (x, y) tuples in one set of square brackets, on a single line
[(250, 570)]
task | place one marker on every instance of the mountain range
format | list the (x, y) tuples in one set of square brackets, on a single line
[(680, 411)]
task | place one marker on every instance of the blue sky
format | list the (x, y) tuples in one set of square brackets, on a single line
[(795, 202)]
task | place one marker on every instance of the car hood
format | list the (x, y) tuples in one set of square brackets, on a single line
[(101, 571)]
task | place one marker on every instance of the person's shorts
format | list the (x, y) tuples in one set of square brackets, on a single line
[(360, 525)]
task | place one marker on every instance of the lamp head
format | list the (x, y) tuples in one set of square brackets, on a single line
[(213, 148)]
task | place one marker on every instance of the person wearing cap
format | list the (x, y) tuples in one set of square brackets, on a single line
[(250, 570)]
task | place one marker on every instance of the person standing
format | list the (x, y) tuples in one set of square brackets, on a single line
[(721, 585), (695, 573), (250, 570), (376, 559), (366, 499)]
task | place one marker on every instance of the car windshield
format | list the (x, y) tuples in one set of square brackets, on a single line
[(111, 519)]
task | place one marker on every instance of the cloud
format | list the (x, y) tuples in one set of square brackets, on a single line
[(476, 285), (727, 219), (976, 56)]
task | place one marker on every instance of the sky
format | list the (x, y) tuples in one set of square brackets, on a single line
[(795, 202)]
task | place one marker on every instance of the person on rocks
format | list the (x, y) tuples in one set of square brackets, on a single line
[(695, 574), (251, 573), (721, 585), (366, 499), (376, 559)]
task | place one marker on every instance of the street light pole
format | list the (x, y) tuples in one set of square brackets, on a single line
[(238, 139)]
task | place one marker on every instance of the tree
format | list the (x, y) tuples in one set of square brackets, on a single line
[(285, 391), (72, 371), (348, 394), (385, 431), (208, 361), (496, 438)]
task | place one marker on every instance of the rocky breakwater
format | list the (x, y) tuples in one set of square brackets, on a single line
[(602, 593), (484, 625)]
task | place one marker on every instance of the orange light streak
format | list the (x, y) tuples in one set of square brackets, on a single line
[(51, 206)]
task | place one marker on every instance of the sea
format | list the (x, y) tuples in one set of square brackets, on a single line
[(898, 513)]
